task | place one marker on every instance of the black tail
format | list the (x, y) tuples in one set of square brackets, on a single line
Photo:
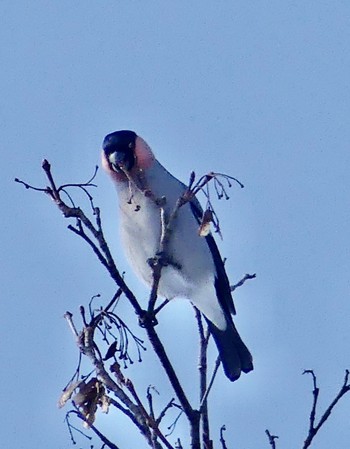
[(234, 354)]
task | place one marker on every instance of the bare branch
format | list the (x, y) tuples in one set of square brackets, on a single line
[(28, 186), (178, 444), (102, 250), (69, 317), (222, 439), (149, 418), (135, 411), (165, 409), (242, 281), (315, 393), (158, 261), (172, 426), (82, 184), (130, 415), (103, 253), (216, 367), (272, 439), (203, 366), (160, 307), (313, 426), (71, 427), (203, 181), (127, 400), (101, 436), (163, 357)]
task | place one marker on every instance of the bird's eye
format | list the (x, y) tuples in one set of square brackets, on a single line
[(130, 145)]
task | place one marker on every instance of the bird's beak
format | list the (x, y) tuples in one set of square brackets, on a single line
[(118, 162)]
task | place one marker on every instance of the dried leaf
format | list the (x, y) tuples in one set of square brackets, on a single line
[(104, 404), (67, 392), (115, 368), (204, 227), (90, 418), (111, 351), (88, 398), (88, 393)]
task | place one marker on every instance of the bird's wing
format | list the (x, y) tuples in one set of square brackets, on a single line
[(222, 284)]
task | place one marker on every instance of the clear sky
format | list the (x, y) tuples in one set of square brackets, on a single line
[(256, 89)]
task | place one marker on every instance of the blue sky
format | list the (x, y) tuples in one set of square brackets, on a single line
[(259, 90)]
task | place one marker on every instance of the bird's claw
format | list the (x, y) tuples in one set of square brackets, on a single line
[(163, 260), (148, 318), (159, 259)]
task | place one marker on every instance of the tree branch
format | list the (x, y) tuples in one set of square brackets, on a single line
[(93, 235), (272, 439), (222, 439), (101, 436), (242, 281), (313, 426), (203, 368)]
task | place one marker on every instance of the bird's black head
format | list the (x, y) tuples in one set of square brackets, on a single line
[(119, 148)]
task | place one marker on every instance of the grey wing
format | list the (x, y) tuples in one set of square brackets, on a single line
[(222, 284)]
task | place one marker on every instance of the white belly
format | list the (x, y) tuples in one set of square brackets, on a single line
[(192, 275)]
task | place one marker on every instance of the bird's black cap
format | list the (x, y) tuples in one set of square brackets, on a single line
[(119, 141), (119, 149)]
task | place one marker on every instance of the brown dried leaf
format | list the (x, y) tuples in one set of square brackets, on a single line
[(104, 403), (67, 392), (89, 393), (204, 227), (90, 418), (88, 398), (115, 368)]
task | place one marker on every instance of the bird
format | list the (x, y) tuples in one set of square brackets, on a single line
[(193, 267)]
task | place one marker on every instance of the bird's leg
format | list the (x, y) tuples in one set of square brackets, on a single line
[(156, 263), (159, 259), (162, 259), (148, 319)]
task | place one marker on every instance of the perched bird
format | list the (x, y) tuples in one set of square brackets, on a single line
[(194, 268)]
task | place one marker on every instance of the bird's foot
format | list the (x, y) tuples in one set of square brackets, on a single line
[(148, 318), (159, 259), (163, 260)]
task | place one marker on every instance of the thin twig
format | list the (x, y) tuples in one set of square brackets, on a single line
[(165, 409), (138, 410), (88, 348), (315, 393), (102, 251), (28, 186), (203, 346), (222, 439), (149, 418), (272, 439), (116, 296), (101, 436), (160, 307), (130, 415), (313, 426), (242, 281), (173, 424), (150, 401), (178, 444), (69, 317), (70, 427), (216, 367), (163, 357)]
